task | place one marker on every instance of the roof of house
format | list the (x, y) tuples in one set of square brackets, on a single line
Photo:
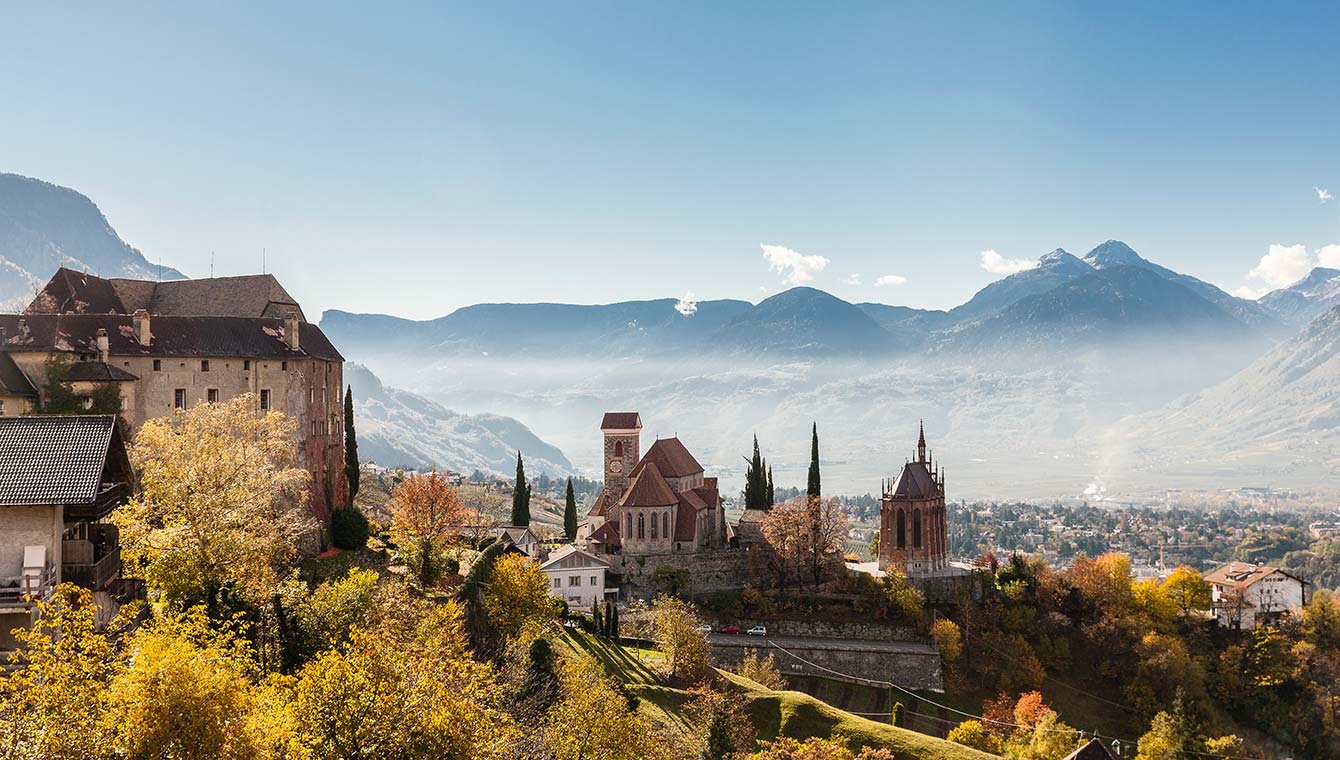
[(1095, 749), (170, 336), (12, 380), (671, 458), (915, 482), (95, 372), (621, 421), (54, 460), (649, 489), (1243, 574), (607, 534), (515, 534), (258, 296), (602, 503), (563, 552)]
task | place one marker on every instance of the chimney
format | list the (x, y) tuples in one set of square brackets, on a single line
[(23, 329), (103, 348), (141, 318), (291, 330)]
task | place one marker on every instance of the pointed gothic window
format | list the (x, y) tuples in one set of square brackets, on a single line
[(629, 532), (618, 449), (653, 527), (902, 529), (665, 524), (916, 529), (641, 526)]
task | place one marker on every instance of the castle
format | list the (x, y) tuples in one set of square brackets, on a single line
[(912, 526), (657, 503), (170, 345)]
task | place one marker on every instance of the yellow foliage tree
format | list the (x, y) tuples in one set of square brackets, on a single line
[(1188, 590), (592, 720), (516, 596), (948, 638), (675, 627), (761, 670), (426, 515), (220, 502), (971, 733)]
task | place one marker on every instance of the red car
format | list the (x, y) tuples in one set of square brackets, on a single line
[(729, 629)]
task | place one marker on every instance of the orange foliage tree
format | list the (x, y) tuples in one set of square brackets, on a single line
[(426, 515)]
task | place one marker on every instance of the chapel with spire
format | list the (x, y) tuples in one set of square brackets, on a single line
[(913, 533)]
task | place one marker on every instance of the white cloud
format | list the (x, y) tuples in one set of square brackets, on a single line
[(1282, 266), (1329, 256), (797, 267), (1248, 292), (996, 264), (890, 279), (687, 305), (1323, 194), (853, 279)]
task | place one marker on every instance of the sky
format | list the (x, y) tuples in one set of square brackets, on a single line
[(411, 159)]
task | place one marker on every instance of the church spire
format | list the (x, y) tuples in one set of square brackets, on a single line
[(921, 443)]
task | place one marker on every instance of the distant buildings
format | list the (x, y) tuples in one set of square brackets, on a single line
[(60, 478), (1247, 595), (659, 503), (171, 345)]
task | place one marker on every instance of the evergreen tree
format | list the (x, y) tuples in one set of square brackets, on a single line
[(570, 514), (614, 622), (813, 489), (608, 631), (350, 444), (596, 620), (772, 490), (520, 496), (752, 491)]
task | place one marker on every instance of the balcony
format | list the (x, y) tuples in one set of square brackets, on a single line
[(91, 555), (109, 498), (16, 590), (95, 575)]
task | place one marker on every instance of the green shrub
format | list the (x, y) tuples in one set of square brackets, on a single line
[(349, 528)]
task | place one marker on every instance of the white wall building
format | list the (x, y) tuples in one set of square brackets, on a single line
[(1247, 595), (577, 577)]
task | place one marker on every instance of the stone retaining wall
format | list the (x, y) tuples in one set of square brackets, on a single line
[(706, 572), (909, 669), (822, 629)]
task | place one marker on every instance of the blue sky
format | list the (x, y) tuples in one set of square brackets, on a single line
[(412, 159)]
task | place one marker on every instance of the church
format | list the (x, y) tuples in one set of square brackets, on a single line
[(653, 503), (912, 529)]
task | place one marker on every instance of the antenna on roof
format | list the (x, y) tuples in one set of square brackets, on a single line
[(211, 265)]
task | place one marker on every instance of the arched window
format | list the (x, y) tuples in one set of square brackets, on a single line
[(653, 527), (665, 524), (618, 449), (916, 529), (902, 529), (629, 532), (641, 526)]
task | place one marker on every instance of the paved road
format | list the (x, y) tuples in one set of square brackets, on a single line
[(797, 642)]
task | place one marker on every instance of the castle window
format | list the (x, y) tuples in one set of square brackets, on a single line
[(179, 398), (902, 529), (204, 365), (641, 526), (629, 532), (212, 395), (246, 364), (916, 529), (158, 365), (283, 366)]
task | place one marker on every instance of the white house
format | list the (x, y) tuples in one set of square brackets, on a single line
[(1247, 595), (577, 577)]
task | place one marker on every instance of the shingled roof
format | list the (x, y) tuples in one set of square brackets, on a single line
[(671, 458), (12, 380), (915, 482), (96, 372), (649, 489), (621, 421), (257, 296), (171, 336), (54, 460)]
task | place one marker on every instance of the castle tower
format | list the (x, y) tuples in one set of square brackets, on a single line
[(622, 431), (913, 531)]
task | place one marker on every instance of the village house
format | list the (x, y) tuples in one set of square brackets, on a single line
[(60, 478), (657, 503), (522, 538), (171, 345), (1247, 595), (577, 577)]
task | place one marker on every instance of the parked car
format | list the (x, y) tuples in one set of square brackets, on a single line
[(758, 630), (704, 628), (729, 629)]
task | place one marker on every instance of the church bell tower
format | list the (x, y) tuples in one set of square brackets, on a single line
[(622, 432)]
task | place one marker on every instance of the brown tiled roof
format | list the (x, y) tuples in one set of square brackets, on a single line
[(602, 503), (171, 336), (1242, 574), (258, 296), (53, 460), (671, 458), (607, 534), (915, 482), (95, 372), (12, 380), (686, 522), (621, 421), (649, 489)]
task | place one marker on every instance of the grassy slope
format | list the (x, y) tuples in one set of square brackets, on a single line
[(774, 713)]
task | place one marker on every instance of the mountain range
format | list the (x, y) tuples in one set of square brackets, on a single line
[(44, 227)]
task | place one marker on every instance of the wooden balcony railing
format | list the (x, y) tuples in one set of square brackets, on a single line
[(93, 575), (16, 589)]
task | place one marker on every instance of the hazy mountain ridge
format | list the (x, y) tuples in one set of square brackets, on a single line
[(45, 226), (401, 429), (1306, 299)]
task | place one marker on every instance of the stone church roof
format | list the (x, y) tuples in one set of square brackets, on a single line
[(621, 421), (915, 482), (671, 458), (649, 488)]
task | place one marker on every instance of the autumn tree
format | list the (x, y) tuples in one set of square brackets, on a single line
[(1188, 590), (426, 515), (971, 733), (516, 596), (675, 628), (762, 670), (221, 501), (948, 639), (805, 537), (723, 729), (593, 720)]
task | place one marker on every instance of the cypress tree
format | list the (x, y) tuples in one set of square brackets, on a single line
[(350, 444), (596, 619), (614, 622), (609, 621), (570, 514), (812, 490), (520, 496), (772, 492)]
